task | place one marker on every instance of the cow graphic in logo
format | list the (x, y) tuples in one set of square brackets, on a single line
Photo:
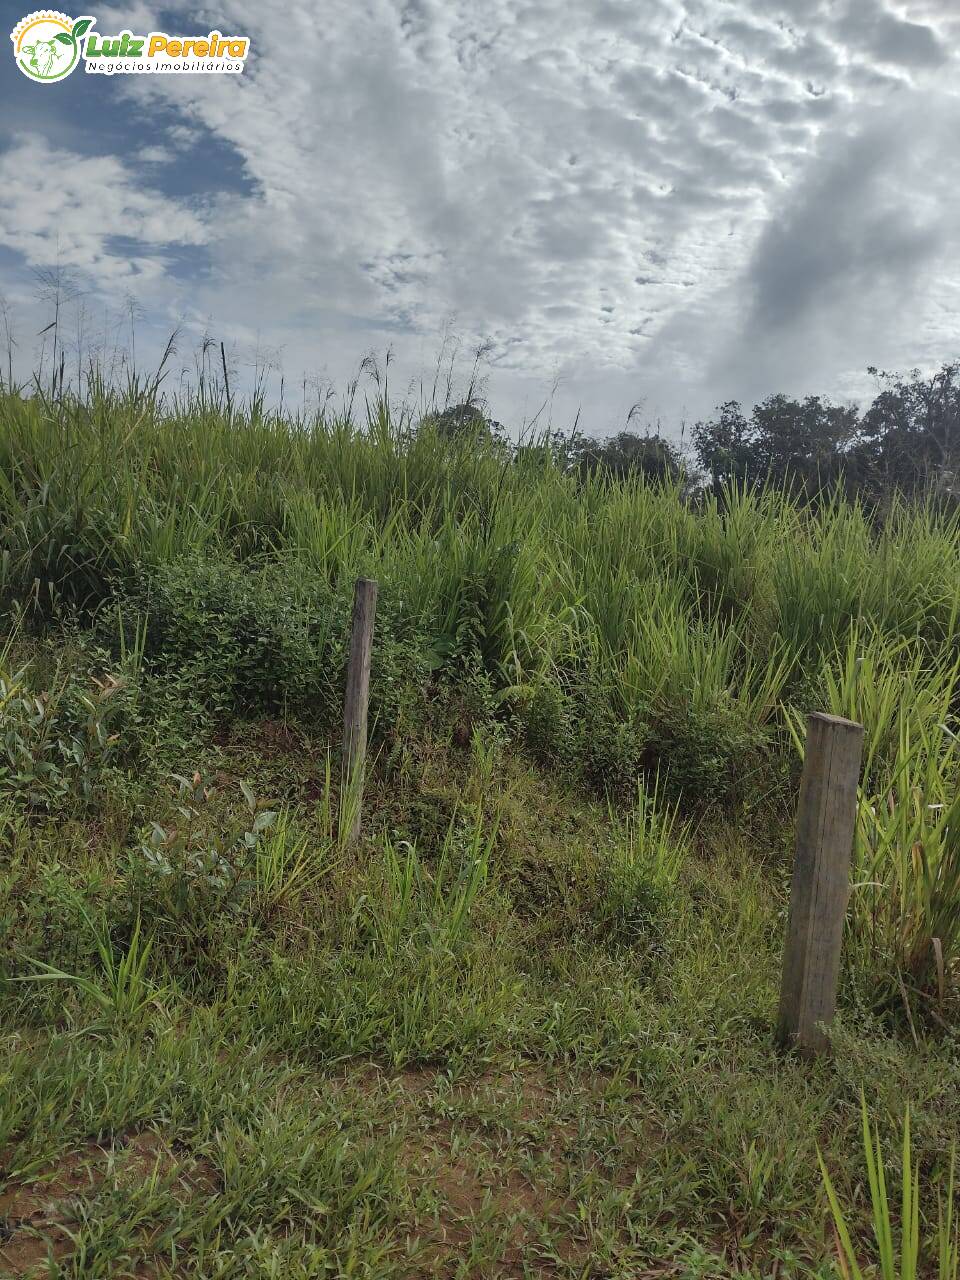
[(46, 45)]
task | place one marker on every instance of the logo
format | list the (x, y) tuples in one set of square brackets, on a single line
[(46, 45), (49, 45)]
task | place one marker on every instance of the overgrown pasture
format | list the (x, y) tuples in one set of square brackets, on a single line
[(524, 1026)]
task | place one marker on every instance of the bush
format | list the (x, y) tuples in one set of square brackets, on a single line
[(194, 873), (640, 872), (259, 639), (77, 719), (576, 728), (706, 758), (57, 741), (237, 634)]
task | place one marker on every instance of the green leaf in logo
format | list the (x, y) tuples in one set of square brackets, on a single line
[(64, 38), (81, 27)]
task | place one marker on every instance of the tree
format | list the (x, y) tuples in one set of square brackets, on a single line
[(805, 443), (627, 453), (465, 421), (911, 432), (725, 446)]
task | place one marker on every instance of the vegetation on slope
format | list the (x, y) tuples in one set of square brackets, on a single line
[(525, 1026)]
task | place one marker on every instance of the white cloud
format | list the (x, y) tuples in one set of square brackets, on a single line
[(57, 206), (620, 194)]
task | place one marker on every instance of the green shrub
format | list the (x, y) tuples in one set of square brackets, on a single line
[(57, 741), (574, 726), (239, 635), (78, 720), (707, 757), (195, 871), (251, 639), (44, 913)]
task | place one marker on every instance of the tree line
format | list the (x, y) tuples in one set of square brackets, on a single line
[(906, 440)]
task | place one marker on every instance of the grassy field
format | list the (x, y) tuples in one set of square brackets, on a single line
[(524, 1026)]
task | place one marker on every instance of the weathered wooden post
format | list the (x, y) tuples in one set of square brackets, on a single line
[(355, 703), (826, 818)]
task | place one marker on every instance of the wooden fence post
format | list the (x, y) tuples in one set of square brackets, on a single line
[(826, 818), (355, 704)]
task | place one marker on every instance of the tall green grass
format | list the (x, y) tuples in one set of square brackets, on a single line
[(623, 627), (903, 1259)]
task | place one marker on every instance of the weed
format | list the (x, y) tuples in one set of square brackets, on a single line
[(122, 991), (901, 1262)]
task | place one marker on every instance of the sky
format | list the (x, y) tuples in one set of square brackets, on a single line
[(663, 203)]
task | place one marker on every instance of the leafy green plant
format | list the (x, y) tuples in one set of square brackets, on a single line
[(641, 868), (55, 742), (433, 902), (79, 28), (905, 904), (906, 900), (195, 866), (249, 638), (894, 687)]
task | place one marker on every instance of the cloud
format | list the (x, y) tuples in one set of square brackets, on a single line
[(890, 38), (856, 266), (58, 207), (667, 201), (857, 227)]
